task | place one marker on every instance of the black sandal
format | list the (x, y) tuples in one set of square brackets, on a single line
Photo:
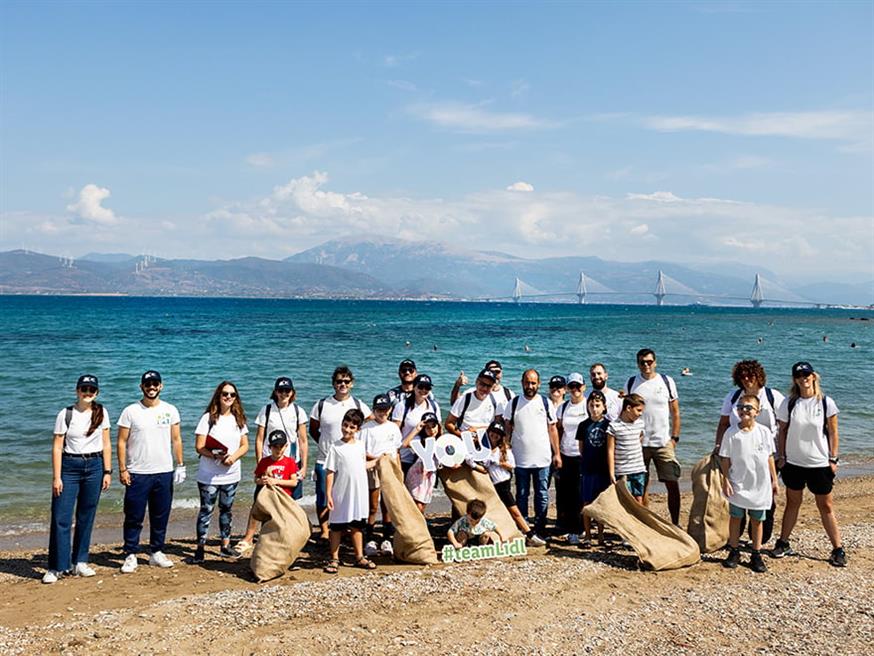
[(364, 563), (331, 567)]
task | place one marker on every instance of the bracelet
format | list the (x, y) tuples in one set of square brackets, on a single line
[(676, 438), (107, 472)]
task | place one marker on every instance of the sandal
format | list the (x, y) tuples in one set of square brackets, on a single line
[(363, 563), (331, 567)]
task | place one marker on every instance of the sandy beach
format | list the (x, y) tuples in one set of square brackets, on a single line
[(559, 599)]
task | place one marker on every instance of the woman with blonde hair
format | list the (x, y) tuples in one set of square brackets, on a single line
[(807, 454), (220, 440)]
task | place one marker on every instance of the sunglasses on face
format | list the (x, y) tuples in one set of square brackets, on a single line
[(427, 388), (575, 386), (88, 390), (406, 370), (746, 407), (230, 395), (283, 391), (804, 375), (343, 381), (151, 385), (647, 363)]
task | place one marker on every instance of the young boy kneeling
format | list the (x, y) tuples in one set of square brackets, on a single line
[(473, 528)]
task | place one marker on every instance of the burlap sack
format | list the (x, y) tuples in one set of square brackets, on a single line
[(658, 543), (284, 533), (412, 542), (464, 484), (708, 517)]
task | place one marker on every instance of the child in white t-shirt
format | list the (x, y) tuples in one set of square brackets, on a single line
[(381, 437), (346, 491), (747, 461)]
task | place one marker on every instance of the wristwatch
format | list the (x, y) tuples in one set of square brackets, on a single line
[(834, 460), (107, 472), (676, 438)]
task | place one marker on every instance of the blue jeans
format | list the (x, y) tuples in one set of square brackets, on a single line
[(540, 475), (297, 491), (321, 488), (208, 496), (82, 479), (156, 492)]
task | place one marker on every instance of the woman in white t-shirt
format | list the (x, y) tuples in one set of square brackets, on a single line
[(81, 470), (220, 440), (282, 413), (807, 454)]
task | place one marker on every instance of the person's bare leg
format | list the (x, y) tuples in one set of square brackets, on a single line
[(733, 531), (790, 512), (374, 504), (755, 533), (323, 523), (251, 529), (521, 524), (358, 544), (826, 509), (335, 537)]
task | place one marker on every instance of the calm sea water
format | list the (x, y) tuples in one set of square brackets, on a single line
[(47, 342)]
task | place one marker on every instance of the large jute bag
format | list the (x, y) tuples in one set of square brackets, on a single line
[(464, 484), (708, 517), (412, 542), (658, 543), (284, 532)]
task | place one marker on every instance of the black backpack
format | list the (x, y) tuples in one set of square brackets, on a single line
[(671, 397), (515, 402), (466, 405)]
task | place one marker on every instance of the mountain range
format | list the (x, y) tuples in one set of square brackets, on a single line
[(390, 268)]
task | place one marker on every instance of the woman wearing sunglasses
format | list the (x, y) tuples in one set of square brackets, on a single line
[(282, 413), (807, 452), (81, 470), (220, 440)]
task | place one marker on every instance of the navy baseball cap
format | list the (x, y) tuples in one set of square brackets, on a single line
[(381, 402), (151, 376), (557, 381), (802, 369), (493, 364), (488, 374), (423, 380), (429, 418), (498, 427), (406, 363), (277, 438), (283, 382), (87, 379)]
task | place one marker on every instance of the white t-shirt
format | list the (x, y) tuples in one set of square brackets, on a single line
[(414, 416), (331, 421), (349, 492), (288, 420), (479, 414), (209, 470), (627, 449), (380, 438), (530, 441), (767, 416), (749, 473), (497, 473), (149, 449), (77, 441), (806, 445), (571, 415), (614, 403), (657, 415)]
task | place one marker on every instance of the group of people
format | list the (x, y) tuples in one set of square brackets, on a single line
[(585, 438)]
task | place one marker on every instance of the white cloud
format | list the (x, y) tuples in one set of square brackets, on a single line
[(658, 196), (260, 160), (89, 207), (393, 61), (403, 85), (638, 230), (521, 186), (474, 118), (852, 126)]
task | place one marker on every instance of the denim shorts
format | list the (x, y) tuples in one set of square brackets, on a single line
[(758, 515), (636, 483)]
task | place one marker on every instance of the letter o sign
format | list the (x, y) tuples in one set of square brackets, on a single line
[(450, 450)]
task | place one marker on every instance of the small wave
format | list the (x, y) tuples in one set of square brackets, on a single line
[(186, 503), (18, 529)]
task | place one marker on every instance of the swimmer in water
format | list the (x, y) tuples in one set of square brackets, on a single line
[(526, 348), (759, 340), (685, 371)]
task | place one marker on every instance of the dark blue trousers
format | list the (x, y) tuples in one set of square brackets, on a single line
[(156, 492)]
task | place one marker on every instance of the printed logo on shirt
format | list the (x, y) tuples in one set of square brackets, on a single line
[(163, 419), (596, 436), (274, 471)]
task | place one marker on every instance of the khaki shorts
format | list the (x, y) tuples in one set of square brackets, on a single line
[(372, 479), (667, 467)]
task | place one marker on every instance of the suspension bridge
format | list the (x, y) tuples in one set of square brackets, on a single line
[(764, 291)]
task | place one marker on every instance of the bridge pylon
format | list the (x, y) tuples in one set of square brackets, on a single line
[(581, 289), (660, 291), (517, 291), (757, 296)]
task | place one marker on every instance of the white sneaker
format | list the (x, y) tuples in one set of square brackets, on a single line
[(160, 560), (83, 569), (573, 539), (536, 541), (130, 564), (51, 576), (386, 548), (370, 549)]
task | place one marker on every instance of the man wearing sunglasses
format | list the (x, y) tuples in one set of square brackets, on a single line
[(661, 432), (149, 440), (326, 428), (407, 373)]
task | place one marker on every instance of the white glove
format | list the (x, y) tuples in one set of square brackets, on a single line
[(179, 475)]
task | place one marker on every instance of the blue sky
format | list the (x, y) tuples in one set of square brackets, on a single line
[(692, 132)]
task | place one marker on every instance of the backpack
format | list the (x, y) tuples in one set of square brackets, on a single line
[(671, 397), (768, 393), (409, 403), (267, 410), (68, 418), (466, 405), (515, 402)]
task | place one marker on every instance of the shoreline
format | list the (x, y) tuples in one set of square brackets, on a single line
[(556, 600)]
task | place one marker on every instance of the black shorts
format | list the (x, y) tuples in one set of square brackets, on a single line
[(505, 494), (819, 480), (355, 523)]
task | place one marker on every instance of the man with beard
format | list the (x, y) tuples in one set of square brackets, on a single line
[(598, 377)]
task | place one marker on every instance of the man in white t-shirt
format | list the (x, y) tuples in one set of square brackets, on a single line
[(598, 377), (326, 428), (661, 432), (501, 393), (476, 408), (148, 441), (530, 421)]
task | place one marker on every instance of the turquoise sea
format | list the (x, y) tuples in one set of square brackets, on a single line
[(47, 342)]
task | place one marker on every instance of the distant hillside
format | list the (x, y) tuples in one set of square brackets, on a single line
[(23, 272)]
